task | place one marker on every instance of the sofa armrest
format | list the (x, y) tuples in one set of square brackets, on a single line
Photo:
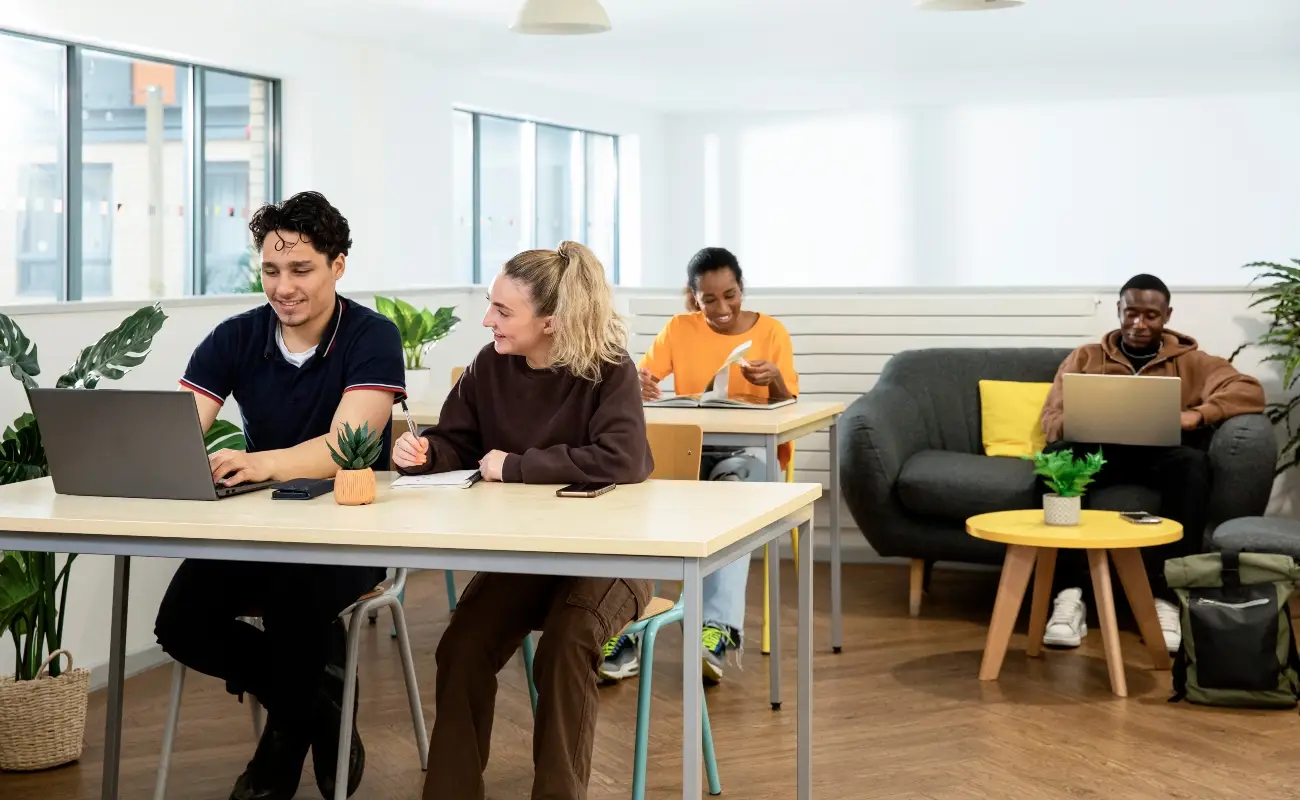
[(879, 432), (1243, 457)]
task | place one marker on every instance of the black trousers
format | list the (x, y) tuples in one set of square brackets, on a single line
[(1181, 475), (282, 665)]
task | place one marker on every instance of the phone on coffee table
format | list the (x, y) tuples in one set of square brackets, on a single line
[(1140, 517)]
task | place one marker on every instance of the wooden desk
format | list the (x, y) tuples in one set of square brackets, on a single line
[(672, 530), (745, 428)]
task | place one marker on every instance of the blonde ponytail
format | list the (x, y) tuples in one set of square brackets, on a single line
[(569, 284)]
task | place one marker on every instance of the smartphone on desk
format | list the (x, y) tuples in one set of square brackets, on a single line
[(1140, 517), (591, 489)]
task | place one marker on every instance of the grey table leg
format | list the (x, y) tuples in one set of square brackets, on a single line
[(837, 611), (774, 625), (692, 679), (116, 675), (803, 743)]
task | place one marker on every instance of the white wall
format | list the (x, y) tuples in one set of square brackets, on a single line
[(1024, 180), (367, 125)]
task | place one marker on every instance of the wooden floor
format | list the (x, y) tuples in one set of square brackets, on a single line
[(899, 715)]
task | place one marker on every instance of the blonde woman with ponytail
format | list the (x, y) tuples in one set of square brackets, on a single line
[(554, 399)]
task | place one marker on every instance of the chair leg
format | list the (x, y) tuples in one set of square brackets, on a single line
[(528, 671), (401, 600), (169, 730), (412, 687), (642, 742), (794, 544), (766, 647), (710, 760), (451, 589), (915, 587), (349, 697)]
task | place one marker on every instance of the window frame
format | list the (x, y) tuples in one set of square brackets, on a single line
[(70, 236), (476, 269)]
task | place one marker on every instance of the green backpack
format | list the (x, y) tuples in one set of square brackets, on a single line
[(1238, 644)]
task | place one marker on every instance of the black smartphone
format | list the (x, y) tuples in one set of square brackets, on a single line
[(1140, 517), (302, 488), (592, 489)]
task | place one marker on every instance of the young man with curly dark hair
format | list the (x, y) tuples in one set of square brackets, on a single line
[(300, 366)]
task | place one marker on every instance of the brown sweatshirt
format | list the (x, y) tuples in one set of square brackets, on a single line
[(1210, 384), (555, 426)]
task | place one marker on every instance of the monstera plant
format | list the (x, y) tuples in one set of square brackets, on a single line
[(33, 587)]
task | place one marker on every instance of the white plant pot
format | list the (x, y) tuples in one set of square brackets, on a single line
[(1059, 510), (419, 386)]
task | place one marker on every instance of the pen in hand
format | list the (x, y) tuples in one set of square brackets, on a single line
[(410, 423)]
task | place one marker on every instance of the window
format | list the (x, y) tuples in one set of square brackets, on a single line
[(521, 184), (125, 177)]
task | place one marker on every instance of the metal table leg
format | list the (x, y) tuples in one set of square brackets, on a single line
[(692, 679), (837, 618), (116, 676)]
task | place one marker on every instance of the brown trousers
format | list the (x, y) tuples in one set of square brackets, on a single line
[(576, 617)]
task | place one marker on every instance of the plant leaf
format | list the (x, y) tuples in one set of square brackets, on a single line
[(22, 455), (117, 351), (18, 353), (18, 590), (224, 435)]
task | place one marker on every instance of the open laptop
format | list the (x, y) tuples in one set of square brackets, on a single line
[(122, 443), (1122, 409)]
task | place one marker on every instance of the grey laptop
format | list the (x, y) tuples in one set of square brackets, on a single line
[(1122, 409), (121, 443)]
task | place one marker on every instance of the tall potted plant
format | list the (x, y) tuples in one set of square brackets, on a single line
[(43, 706), (1280, 299), (1067, 477), (420, 329)]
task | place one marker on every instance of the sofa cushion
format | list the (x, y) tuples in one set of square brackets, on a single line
[(1009, 417), (937, 483)]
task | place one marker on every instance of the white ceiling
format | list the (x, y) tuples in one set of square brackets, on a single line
[(694, 54)]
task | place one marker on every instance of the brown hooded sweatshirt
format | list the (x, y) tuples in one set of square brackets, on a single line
[(1210, 384)]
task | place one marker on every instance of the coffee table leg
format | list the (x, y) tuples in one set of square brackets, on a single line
[(1133, 577), (1099, 566), (1016, 569), (1044, 571)]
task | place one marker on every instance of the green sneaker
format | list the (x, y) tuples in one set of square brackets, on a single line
[(622, 659), (716, 641)]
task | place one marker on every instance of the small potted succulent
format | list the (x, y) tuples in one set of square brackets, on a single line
[(354, 485), (1067, 477)]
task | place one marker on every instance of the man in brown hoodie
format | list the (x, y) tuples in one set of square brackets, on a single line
[(1212, 391)]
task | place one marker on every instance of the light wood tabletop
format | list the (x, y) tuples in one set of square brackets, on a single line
[(689, 519), (761, 422)]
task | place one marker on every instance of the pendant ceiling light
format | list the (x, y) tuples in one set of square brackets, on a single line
[(561, 17), (967, 5)]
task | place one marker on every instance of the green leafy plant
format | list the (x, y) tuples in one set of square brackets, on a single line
[(1066, 475), (33, 586), (420, 328), (223, 435), (1281, 301), (357, 447)]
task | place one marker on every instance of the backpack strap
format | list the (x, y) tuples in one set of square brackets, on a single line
[(1230, 571)]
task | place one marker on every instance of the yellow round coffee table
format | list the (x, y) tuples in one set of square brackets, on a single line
[(1031, 549)]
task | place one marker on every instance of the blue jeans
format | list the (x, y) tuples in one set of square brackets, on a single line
[(724, 590)]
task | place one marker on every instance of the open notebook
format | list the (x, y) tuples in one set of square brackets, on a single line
[(456, 479), (718, 396)]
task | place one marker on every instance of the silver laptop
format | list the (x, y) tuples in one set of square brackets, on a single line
[(120, 443), (1122, 409)]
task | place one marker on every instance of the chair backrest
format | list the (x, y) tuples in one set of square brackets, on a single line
[(456, 372), (676, 449)]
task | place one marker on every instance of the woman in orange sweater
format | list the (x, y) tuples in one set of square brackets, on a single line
[(691, 347)]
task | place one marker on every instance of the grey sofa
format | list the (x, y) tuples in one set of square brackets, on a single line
[(913, 467)]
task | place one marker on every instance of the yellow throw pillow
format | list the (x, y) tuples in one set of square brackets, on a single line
[(1010, 417)]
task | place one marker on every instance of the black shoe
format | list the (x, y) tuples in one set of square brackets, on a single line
[(325, 742), (276, 768)]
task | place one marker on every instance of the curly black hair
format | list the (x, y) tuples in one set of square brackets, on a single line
[(308, 214)]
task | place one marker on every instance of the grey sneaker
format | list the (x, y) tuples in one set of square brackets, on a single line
[(622, 659), (716, 641)]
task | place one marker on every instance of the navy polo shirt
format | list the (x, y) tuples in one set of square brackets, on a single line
[(285, 405)]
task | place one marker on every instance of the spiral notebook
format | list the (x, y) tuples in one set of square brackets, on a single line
[(456, 479)]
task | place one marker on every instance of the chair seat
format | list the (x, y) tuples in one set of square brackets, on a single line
[(656, 606)]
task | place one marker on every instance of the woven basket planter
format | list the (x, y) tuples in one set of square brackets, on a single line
[(43, 722)]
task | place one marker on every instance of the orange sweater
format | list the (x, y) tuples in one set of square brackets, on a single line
[(689, 350)]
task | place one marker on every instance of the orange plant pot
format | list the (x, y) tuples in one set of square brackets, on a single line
[(354, 487)]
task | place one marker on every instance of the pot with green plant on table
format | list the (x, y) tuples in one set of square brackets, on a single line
[(43, 704), (354, 485), (420, 330), (1068, 477)]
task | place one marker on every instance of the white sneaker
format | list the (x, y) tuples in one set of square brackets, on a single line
[(1171, 624), (1067, 626)]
